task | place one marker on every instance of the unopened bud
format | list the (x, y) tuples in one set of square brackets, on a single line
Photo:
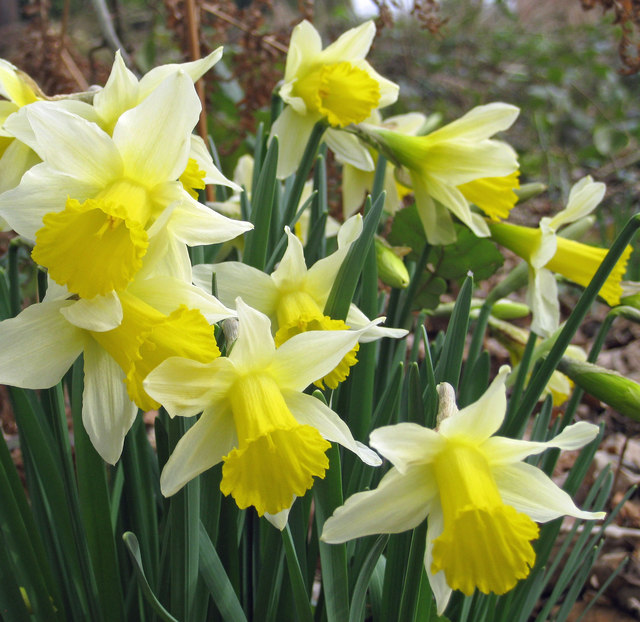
[(391, 268), (619, 392)]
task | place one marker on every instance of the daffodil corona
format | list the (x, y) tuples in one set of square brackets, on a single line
[(481, 499), (270, 436)]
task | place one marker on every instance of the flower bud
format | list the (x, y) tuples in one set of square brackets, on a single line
[(619, 392)]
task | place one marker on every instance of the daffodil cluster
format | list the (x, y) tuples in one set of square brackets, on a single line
[(108, 188), (105, 195)]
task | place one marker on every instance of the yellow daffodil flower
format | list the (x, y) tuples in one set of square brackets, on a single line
[(294, 297), (479, 495), (337, 85), (122, 338), (357, 182), (546, 253), (96, 200), (442, 164), (270, 436)]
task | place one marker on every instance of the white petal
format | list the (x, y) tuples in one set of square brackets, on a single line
[(304, 46), (480, 420), (529, 490), (99, 314), (400, 502), (186, 387), (435, 218), (454, 201), (212, 437), (118, 95), (584, 197), (545, 245), (542, 299), (293, 131), (352, 45), (479, 123), (166, 256), (194, 224), (405, 444), (201, 155), (154, 138), (356, 319), (15, 161), (438, 582), (311, 355), (164, 293), (410, 123), (74, 145), (235, 279), (500, 450), (107, 411), (349, 150), (16, 124), (42, 190), (254, 348), (290, 273), (279, 520), (195, 70), (38, 346), (323, 273), (311, 411), (355, 184)]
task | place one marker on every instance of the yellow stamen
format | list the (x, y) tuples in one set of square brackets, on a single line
[(484, 544), (193, 178), (340, 92), (276, 458), (299, 313), (495, 196)]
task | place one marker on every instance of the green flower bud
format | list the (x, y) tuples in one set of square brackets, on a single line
[(528, 191), (613, 389), (391, 268)]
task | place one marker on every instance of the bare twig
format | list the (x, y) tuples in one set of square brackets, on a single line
[(108, 31), (225, 17)]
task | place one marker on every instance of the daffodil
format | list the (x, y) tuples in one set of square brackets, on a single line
[(270, 436), (357, 182), (546, 253), (441, 165), (336, 85), (294, 297), (481, 499), (96, 200), (122, 337)]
